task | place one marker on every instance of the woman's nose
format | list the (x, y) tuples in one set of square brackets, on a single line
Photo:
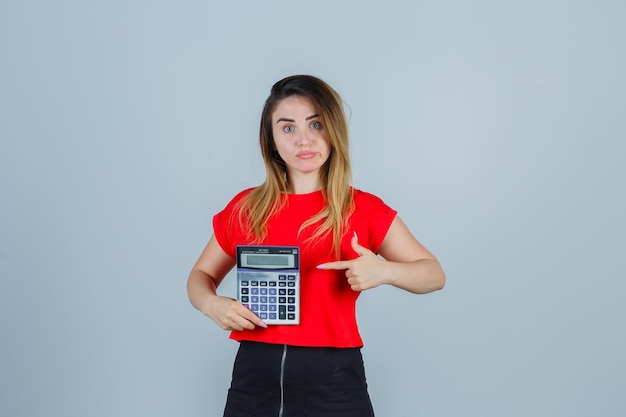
[(303, 138)]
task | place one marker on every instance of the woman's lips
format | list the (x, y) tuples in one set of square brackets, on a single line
[(306, 154)]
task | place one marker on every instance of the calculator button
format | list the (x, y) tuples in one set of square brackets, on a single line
[(263, 316), (272, 300), (291, 308), (282, 312), (291, 277), (254, 299), (282, 292), (291, 284), (254, 291), (245, 299), (291, 316), (291, 300), (254, 307), (282, 277), (244, 283), (255, 283), (272, 291), (245, 290), (263, 299), (282, 300), (272, 307), (272, 283), (263, 283), (263, 291), (272, 316), (291, 291), (282, 284), (263, 307)]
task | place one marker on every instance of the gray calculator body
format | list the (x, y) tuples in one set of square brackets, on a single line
[(268, 282)]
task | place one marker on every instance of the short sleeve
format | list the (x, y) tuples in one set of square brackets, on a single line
[(226, 226), (372, 212)]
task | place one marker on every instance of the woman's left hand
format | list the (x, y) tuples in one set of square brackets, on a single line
[(364, 272)]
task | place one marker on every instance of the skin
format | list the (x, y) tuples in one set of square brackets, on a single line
[(405, 264), (301, 140)]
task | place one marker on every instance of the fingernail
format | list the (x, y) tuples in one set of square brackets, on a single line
[(322, 266), (262, 324)]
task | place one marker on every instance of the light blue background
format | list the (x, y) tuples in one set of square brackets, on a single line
[(495, 128)]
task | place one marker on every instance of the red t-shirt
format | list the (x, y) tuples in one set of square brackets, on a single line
[(327, 303)]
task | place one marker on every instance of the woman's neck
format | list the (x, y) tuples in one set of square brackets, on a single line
[(303, 184)]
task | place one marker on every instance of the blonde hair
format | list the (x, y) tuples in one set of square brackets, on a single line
[(335, 175)]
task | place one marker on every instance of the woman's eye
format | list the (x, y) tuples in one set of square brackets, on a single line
[(315, 125), (288, 129)]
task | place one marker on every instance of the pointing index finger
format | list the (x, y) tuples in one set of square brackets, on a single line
[(335, 265)]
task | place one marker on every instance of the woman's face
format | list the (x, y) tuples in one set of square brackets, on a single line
[(300, 137)]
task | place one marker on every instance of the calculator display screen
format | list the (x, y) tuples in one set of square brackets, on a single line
[(264, 259), (268, 260), (268, 257)]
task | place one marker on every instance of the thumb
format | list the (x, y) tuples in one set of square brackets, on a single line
[(360, 250)]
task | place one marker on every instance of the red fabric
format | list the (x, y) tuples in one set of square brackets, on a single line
[(327, 304)]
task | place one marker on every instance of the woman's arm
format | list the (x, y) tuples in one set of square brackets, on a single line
[(407, 264), (206, 275)]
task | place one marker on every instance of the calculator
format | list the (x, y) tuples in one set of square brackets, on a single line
[(268, 282)]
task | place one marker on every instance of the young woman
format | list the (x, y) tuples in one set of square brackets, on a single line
[(314, 368)]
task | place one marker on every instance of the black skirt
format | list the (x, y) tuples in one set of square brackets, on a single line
[(290, 381)]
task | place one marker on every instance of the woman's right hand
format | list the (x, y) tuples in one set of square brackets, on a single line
[(230, 314), (206, 275)]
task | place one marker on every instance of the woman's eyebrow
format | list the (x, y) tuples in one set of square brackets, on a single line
[(282, 119)]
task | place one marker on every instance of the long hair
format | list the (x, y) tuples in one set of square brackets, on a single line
[(335, 175)]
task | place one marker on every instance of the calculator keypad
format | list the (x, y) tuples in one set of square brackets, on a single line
[(274, 297)]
